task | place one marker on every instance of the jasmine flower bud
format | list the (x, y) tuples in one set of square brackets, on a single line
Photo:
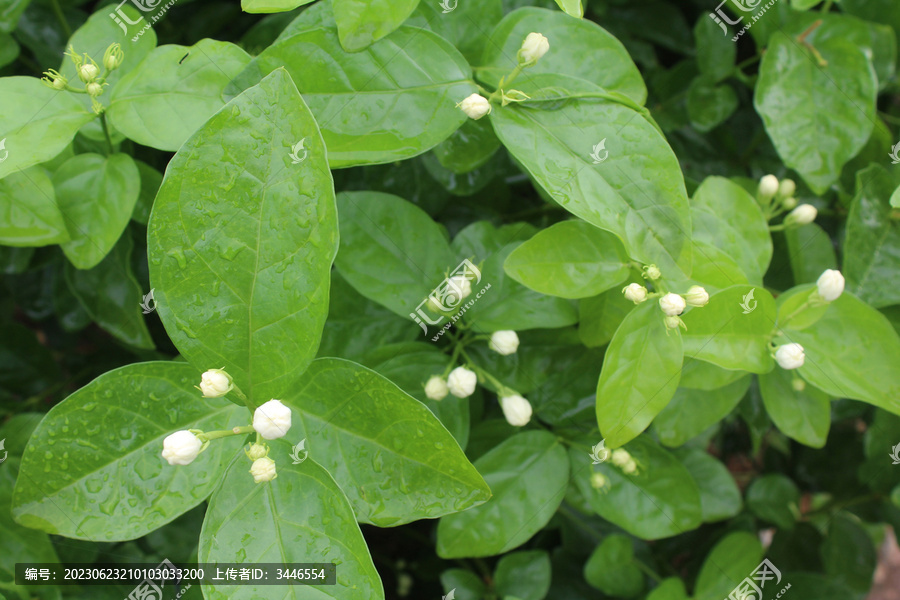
[(787, 188), (533, 48), (674, 323), (697, 296), (94, 89), (504, 342), (798, 384), (263, 469), (462, 283), (88, 72), (622, 459), (461, 382), (635, 292), (181, 448), (436, 388), (475, 106), (516, 409), (768, 187), (257, 451), (272, 420), (113, 57), (802, 215), (789, 203), (672, 305), (830, 285), (215, 383), (598, 480), (790, 356), (651, 272)]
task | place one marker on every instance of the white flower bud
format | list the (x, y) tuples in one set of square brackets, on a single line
[(651, 272), (620, 457), (635, 292), (461, 382), (802, 215), (533, 48), (462, 283), (475, 106), (598, 480), (789, 203), (672, 304), (696, 296), (830, 285), (113, 57), (768, 187), (630, 467), (516, 409), (504, 342), (181, 448), (94, 89), (787, 188), (790, 356), (59, 83), (88, 72), (674, 323), (272, 420), (263, 469), (257, 451), (215, 383), (436, 388)]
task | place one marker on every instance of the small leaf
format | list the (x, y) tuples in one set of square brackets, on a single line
[(30, 216), (692, 411), (719, 495), (774, 499), (803, 415), (525, 575), (731, 560), (360, 23), (611, 568)]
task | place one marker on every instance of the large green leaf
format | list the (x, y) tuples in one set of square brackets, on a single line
[(572, 259), (872, 246), (390, 454), (467, 25), (29, 215), (848, 554), (660, 500), (576, 47), (640, 374), (36, 123), (803, 415), (241, 241), (795, 96), (96, 195), (637, 194), (524, 575), (301, 516), (392, 101), (528, 475), (725, 334), (811, 251), (731, 560), (611, 568), (92, 469), (774, 499), (271, 6), (719, 494), (360, 23), (600, 316), (174, 91), (691, 411)]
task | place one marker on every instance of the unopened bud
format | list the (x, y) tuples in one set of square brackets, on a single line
[(113, 57), (88, 72), (652, 272), (768, 187)]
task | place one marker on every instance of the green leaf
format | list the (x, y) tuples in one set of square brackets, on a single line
[(671, 588), (393, 101), (660, 500), (574, 46), (709, 105), (719, 495), (96, 195), (525, 575), (112, 296), (391, 250), (573, 8), (301, 516), (463, 581), (611, 568), (714, 268), (803, 415), (852, 352), (37, 122), (572, 259), (723, 333), (731, 560), (811, 252), (774, 499), (360, 23), (528, 475), (30, 216), (468, 148), (92, 469), (872, 246), (271, 6), (640, 374), (795, 95), (174, 91), (701, 375), (692, 411), (458, 25), (151, 179), (729, 219), (650, 214), (366, 431), (812, 585), (715, 53), (848, 554), (265, 273), (600, 316)]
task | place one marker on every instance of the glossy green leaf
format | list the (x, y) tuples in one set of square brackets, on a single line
[(462, 581), (671, 588), (872, 246), (392, 101), (525, 575), (715, 53), (701, 375), (803, 415), (112, 296), (468, 148), (719, 495), (366, 431), (848, 554), (714, 269), (709, 105), (774, 499), (575, 47), (650, 214), (692, 411), (573, 8), (528, 475), (361, 23), (810, 252), (96, 196), (467, 25), (37, 122), (640, 374), (572, 259), (10, 11), (174, 91), (852, 352), (92, 469), (611, 568), (253, 235), (725, 334), (660, 500), (731, 560), (271, 6), (813, 585), (795, 95), (30, 216), (301, 516)]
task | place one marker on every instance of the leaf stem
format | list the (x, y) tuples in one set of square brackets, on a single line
[(214, 435), (109, 143), (57, 10)]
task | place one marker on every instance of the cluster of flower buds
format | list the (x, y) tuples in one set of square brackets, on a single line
[(622, 459), (829, 288), (782, 193), (88, 71), (671, 304)]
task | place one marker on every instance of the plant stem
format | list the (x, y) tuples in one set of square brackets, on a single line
[(109, 143), (827, 6), (214, 435), (57, 10)]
